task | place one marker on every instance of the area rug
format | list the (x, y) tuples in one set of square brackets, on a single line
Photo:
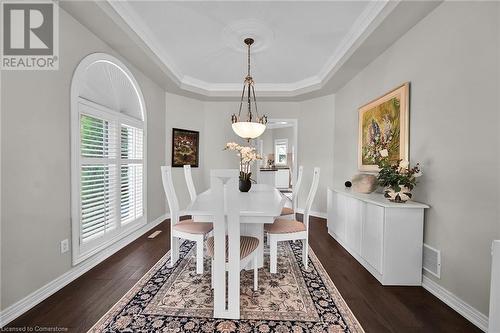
[(177, 299)]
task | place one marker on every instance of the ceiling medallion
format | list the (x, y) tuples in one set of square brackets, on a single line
[(235, 32), (252, 127)]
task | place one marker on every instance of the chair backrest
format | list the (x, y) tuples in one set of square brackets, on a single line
[(225, 202), (189, 182), (168, 186), (311, 195), (296, 188)]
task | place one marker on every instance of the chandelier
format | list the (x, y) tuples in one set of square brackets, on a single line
[(252, 127)]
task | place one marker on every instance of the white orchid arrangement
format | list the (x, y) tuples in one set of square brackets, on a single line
[(247, 156)]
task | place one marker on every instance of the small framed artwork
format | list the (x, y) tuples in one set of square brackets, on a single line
[(383, 124), (185, 147)]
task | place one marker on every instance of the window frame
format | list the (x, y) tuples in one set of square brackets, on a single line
[(79, 106), (280, 142)]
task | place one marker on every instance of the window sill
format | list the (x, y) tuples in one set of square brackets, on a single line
[(125, 231)]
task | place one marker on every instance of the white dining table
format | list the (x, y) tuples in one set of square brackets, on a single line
[(261, 205)]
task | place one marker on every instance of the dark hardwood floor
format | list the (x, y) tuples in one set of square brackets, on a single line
[(379, 309)]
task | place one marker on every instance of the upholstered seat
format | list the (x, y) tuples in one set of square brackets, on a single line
[(282, 226), (287, 211), (185, 229), (247, 245), (284, 229), (191, 227)]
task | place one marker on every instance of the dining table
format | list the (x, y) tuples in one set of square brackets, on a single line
[(255, 208), (261, 205)]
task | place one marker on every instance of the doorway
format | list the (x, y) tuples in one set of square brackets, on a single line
[(278, 148)]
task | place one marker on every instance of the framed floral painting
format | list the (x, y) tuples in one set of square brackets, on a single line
[(383, 124), (185, 147)]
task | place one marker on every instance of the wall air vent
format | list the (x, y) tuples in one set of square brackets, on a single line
[(432, 260), (154, 234)]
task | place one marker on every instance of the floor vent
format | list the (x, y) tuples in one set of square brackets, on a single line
[(432, 260), (154, 234)]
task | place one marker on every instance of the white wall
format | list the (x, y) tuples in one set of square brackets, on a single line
[(36, 163), (267, 142), (451, 59), (316, 129), (315, 137), (219, 132), (185, 113), (218, 124)]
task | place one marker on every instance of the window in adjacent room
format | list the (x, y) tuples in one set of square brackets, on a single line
[(280, 152)]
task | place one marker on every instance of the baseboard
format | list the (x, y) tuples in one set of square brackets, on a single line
[(313, 213), (466, 310), (28, 302)]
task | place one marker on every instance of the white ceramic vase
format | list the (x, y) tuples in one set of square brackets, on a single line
[(400, 197)]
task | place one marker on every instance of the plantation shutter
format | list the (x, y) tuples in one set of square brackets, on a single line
[(111, 173), (98, 176), (131, 174)]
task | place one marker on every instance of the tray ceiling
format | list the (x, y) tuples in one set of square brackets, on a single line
[(298, 44)]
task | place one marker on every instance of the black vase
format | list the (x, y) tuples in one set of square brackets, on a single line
[(245, 185)]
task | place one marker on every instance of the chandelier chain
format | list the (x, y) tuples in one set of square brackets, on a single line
[(255, 102), (241, 100), (249, 102), (248, 56), (249, 89)]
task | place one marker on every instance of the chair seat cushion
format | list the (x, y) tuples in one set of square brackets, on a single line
[(282, 226), (287, 211), (247, 245), (191, 227)]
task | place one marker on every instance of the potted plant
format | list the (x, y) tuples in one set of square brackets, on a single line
[(247, 156), (398, 179)]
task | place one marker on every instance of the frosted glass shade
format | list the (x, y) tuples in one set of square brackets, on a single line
[(248, 130)]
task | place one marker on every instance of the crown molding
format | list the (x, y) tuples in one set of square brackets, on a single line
[(369, 19), (234, 89), (122, 8)]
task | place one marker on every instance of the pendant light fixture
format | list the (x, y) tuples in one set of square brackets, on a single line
[(253, 126)]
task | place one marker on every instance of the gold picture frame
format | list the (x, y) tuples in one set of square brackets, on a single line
[(384, 123)]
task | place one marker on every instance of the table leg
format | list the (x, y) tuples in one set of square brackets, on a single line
[(174, 250), (255, 230)]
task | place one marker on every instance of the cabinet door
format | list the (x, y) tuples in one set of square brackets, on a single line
[(330, 211), (373, 236), (282, 178), (333, 215), (339, 215), (354, 208), (267, 177)]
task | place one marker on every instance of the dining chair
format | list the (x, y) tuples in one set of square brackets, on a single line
[(185, 229), (229, 250), (287, 230), (287, 212), (189, 182)]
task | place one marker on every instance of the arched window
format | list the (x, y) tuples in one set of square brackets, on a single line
[(108, 138)]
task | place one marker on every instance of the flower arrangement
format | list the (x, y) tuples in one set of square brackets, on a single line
[(398, 178), (247, 156)]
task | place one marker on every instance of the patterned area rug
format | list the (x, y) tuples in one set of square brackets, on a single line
[(179, 300)]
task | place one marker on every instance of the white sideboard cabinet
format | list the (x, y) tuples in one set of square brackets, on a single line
[(385, 237)]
